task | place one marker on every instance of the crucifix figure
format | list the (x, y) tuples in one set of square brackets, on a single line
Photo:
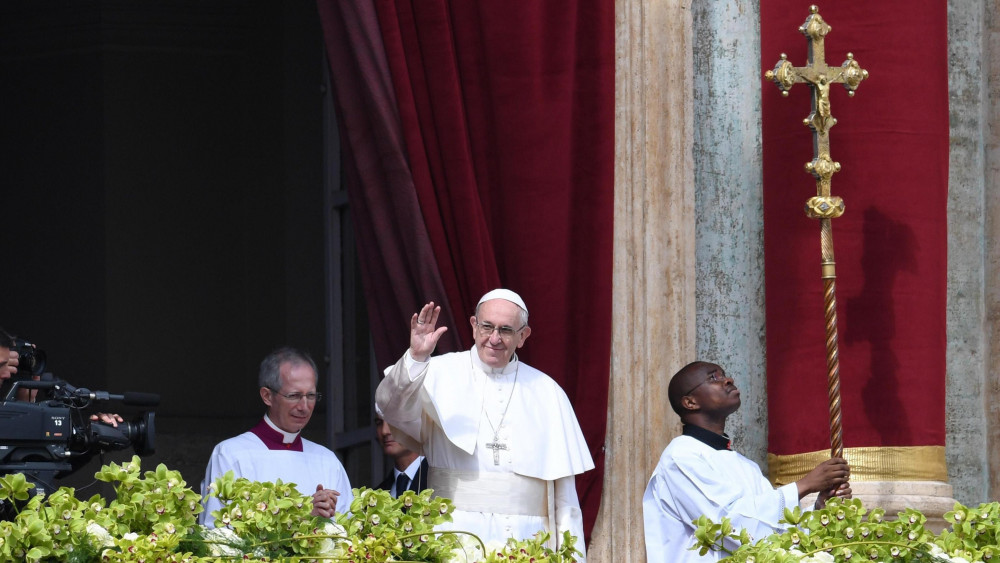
[(496, 446), (823, 206)]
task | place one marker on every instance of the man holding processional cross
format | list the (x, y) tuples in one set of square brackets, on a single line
[(500, 436), (698, 473)]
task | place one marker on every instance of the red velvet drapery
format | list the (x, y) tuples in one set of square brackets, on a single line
[(891, 244), (491, 165)]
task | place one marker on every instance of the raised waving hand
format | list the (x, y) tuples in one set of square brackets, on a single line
[(424, 332)]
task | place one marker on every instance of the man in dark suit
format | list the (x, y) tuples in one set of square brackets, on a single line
[(409, 470)]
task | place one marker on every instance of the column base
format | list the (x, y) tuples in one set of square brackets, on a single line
[(932, 498)]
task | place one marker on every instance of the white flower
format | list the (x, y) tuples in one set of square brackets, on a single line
[(819, 557), (460, 555), (470, 552), (100, 536), (328, 546), (334, 529), (227, 539), (131, 536)]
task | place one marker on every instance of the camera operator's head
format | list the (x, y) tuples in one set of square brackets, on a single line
[(288, 387), (8, 358)]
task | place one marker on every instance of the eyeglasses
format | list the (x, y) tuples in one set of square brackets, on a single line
[(296, 397), (505, 332), (713, 377)]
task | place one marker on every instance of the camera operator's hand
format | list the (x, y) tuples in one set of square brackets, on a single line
[(8, 367), (107, 418)]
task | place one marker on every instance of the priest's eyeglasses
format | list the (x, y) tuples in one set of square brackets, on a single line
[(713, 377), (296, 397), (505, 332)]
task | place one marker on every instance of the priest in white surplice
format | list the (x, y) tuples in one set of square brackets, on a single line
[(501, 437), (274, 448)]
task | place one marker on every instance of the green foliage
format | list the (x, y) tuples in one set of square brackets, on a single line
[(535, 551), (846, 531), (974, 534), (53, 529), (154, 518), (265, 520), (155, 502), (400, 528)]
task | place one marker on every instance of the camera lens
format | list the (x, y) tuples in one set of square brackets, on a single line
[(141, 433), (31, 359)]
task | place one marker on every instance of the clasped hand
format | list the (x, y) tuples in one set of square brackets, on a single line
[(324, 502)]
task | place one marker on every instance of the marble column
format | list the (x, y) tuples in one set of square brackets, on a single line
[(972, 415), (654, 259), (991, 202), (729, 208)]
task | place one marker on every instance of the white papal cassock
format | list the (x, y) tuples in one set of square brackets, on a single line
[(504, 444), (703, 476)]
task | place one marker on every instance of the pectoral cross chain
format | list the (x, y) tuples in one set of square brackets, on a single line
[(496, 446)]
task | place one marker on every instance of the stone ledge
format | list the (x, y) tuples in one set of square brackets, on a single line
[(932, 498)]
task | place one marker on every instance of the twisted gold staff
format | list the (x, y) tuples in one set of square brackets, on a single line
[(823, 206)]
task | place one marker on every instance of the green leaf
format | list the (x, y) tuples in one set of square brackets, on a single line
[(793, 515)]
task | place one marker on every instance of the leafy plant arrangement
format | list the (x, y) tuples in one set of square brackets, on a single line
[(154, 518), (151, 514), (386, 529), (531, 551), (844, 531)]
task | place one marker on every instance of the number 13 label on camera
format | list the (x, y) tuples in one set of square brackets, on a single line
[(56, 426)]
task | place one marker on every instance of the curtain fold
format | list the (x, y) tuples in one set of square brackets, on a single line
[(495, 143), (421, 48), (397, 261)]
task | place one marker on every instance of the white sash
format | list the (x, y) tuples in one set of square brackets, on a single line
[(503, 493)]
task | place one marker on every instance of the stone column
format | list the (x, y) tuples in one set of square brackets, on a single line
[(991, 70), (654, 264), (966, 450), (991, 205), (729, 208)]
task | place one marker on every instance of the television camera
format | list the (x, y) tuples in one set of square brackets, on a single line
[(52, 436)]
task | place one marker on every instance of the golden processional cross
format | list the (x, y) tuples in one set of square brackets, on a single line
[(823, 206)]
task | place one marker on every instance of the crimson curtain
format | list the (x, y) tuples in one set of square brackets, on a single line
[(891, 244), (478, 153)]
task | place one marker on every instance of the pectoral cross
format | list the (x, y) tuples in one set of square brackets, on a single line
[(823, 206), (496, 446)]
